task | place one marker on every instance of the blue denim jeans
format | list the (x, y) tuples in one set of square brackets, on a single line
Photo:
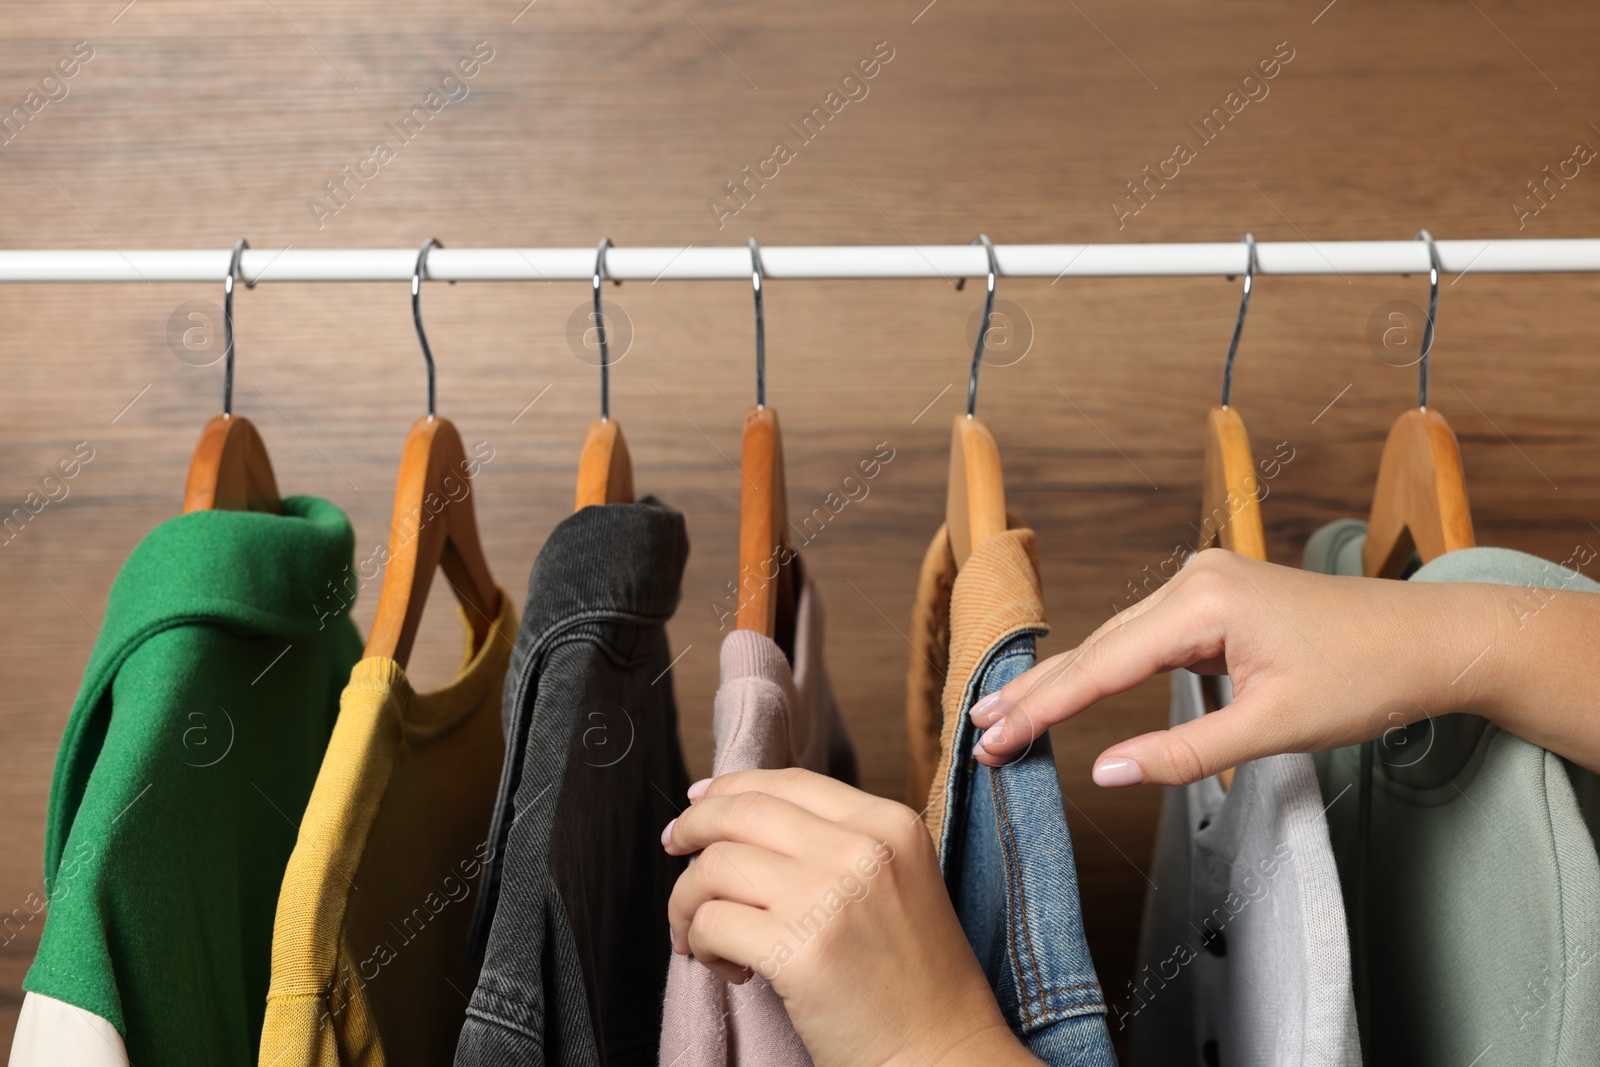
[(1007, 861)]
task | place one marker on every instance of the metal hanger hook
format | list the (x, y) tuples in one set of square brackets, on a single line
[(600, 330), (1433, 311), (417, 275), (235, 272), (983, 327), (757, 272), (1249, 240)]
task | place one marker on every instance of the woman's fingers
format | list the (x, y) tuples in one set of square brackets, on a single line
[(1185, 627), (825, 797), (749, 818), (727, 937), (1246, 729), (987, 712), (739, 874), (992, 709), (831, 911)]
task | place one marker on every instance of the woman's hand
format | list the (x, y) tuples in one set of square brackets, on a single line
[(835, 897), (1317, 661)]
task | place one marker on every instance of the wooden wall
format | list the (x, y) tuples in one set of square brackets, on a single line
[(197, 123)]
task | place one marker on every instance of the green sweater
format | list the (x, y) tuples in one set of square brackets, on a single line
[(186, 765), (1482, 922)]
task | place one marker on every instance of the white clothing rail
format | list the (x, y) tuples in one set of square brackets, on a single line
[(800, 261)]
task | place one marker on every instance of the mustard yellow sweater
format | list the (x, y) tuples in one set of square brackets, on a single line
[(369, 964)]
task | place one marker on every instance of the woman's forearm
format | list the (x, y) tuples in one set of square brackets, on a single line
[(1318, 661), (1539, 675)]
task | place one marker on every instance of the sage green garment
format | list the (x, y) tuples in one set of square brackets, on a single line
[(186, 765), (1482, 933)]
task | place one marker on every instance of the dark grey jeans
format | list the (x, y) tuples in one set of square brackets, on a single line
[(575, 891)]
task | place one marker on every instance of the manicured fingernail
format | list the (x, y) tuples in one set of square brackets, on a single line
[(698, 790), (994, 735), (1115, 772), (666, 835), (982, 713)]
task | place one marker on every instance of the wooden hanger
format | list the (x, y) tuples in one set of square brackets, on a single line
[(1230, 503), (766, 577), (1420, 501), (1230, 508), (605, 470), (433, 525), (1230, 512), (975, 494), (230, 470), (767, 595)]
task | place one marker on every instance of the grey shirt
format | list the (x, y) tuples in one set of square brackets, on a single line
[(1244, 953), (575, 890)]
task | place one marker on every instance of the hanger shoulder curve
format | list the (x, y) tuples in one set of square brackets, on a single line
[(765, 582), (605, 469), (1230, 506), (433, 526), (975, 498), (230, 470), (1420, 503)]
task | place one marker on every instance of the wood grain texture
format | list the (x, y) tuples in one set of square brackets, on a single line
[(194, 124)]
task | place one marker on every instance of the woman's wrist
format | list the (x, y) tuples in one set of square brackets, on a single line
[(991, 1044), (1460, 635), (1536, 652)]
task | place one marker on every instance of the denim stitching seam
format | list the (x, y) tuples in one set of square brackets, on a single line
[(1005, 844), (1014, 882), (1077, 1009), (1033, 1015)]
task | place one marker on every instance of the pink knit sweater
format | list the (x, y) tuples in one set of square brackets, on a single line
[(764, 717)]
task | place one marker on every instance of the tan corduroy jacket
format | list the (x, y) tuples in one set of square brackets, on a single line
[(956, 620)]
